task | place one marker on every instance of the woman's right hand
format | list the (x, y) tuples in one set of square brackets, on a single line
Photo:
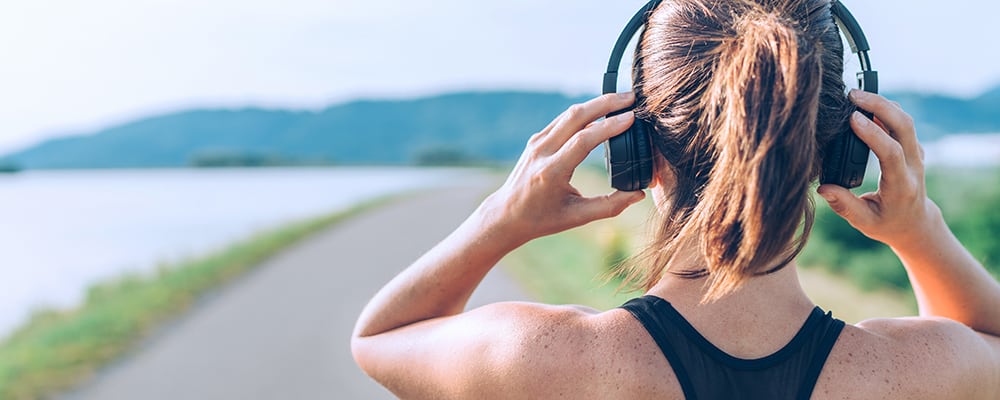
[(899, 213), (947, 280), (538, 199)]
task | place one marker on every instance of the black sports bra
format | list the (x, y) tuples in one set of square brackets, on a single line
[(706, 372)]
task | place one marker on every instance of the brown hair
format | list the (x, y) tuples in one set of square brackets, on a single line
[(743, 95)]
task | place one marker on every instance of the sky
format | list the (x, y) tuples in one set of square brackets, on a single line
[(71, 67)]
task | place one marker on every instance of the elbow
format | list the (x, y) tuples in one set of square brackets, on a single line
[(364, 349), (361, 354), (359, 346)]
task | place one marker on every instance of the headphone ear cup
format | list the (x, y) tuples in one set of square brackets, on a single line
[(629, 157), (845, 161), (644, 153)]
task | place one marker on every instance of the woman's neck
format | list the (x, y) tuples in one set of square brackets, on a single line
[(765, 291), (753, 321)]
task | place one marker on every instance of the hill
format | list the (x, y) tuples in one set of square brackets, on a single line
[(938, 115), (472, 126), (460, 127)]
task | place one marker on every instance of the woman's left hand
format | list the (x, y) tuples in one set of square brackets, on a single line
[(537, 199)]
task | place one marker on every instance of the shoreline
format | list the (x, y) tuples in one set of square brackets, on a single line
[(55, 349), (70, 229)]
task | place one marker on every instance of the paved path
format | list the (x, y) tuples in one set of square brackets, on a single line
[(283, 332)]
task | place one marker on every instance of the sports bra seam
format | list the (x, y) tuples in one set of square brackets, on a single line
[(784, 353)]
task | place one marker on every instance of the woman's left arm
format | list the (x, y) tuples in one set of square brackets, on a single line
[(537, 199)]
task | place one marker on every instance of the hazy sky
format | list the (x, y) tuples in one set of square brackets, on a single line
[(69, 66)]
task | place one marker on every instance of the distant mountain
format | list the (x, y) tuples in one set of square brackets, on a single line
[(479, 126), (938, 115), (486, 126)]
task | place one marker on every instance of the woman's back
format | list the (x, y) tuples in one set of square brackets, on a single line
[(610, 355), (740, 100)]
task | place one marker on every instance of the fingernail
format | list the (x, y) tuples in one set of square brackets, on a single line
[(826, 195), (625, 116), (860, 118), (853, 94), (625, 95)]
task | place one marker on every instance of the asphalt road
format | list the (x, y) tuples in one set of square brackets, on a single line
[(283, 331)]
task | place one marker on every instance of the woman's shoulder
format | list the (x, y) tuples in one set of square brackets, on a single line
[(579, 352), (912, 358)]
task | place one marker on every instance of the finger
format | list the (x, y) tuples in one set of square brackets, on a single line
[(847, 205), (537, 137), (580, 145), (911, 160), (890, 154), (881, 125), (607, 206), (899, 124), (548, 128), (579, 115)]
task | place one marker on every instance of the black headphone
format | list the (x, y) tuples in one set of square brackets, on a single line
[(629, 156)]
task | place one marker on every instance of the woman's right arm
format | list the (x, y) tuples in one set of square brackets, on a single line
[(948, 281)]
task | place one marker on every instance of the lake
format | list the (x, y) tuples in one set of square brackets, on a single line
[(965, 150), (61, 231)]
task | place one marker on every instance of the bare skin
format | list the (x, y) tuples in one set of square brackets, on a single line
[(415, 338)]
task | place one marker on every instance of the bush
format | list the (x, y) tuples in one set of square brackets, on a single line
[(442, 156), (977, 225), (8, 167), (969, 200)]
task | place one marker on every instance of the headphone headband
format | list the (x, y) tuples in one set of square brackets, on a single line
[(638, 21), (867, 78)]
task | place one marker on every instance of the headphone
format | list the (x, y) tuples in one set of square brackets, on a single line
[(629, 156)]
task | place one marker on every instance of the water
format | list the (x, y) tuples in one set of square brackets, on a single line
[(61, 231), (965, 150)]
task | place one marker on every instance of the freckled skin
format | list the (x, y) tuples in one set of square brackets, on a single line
[(415, 337)]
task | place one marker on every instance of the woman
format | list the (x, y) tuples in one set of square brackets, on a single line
[(744, 96)]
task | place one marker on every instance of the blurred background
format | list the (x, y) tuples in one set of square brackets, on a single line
[(141, 138)]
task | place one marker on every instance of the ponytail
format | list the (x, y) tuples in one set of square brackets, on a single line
[(761, 117)]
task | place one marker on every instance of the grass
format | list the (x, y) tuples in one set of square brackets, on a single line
[(967, 198), (56, 349), (568, 268), (571, 267)]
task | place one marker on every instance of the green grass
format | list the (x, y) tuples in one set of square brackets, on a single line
[(56, 349), (569, 267), (846, 272), (968, 199)]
